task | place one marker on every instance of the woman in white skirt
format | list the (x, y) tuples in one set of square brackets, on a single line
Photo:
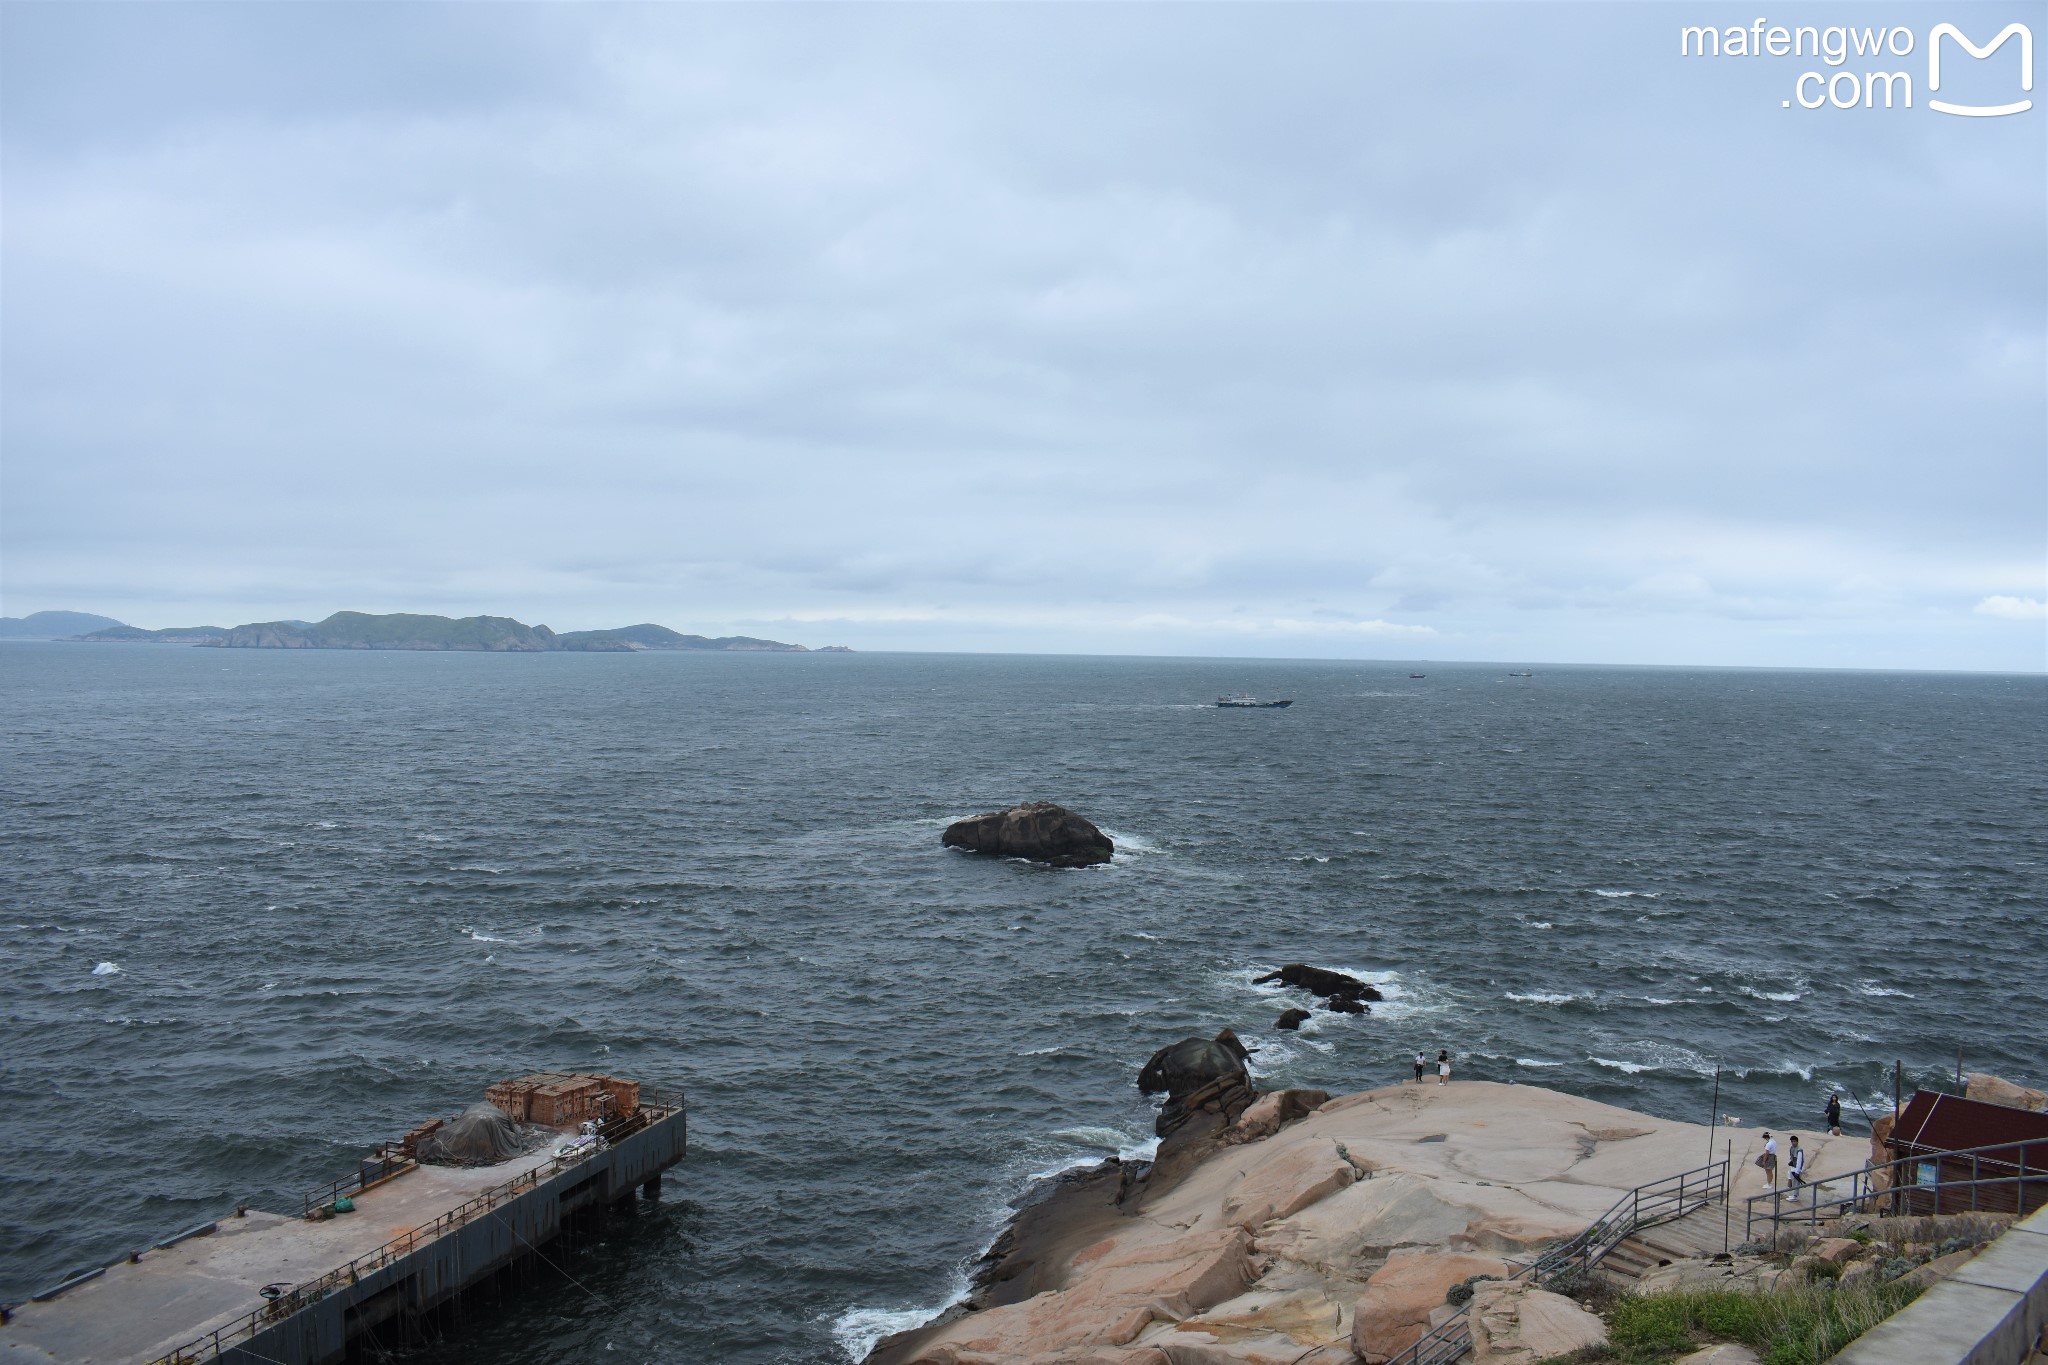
[(1443, 1067)]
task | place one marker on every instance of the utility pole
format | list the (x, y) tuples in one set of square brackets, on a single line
[(1714, 1121)]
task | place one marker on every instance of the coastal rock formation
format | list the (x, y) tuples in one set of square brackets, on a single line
[(1996, 1090), (1519, 1324), (1399, 1299), (1321, 981), (1292, 1019), (1199, 1076), (1314, 1232), (1037, 830)]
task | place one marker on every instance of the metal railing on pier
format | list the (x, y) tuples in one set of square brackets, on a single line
[(654, 1106), (2007, 1177), (1660, 1201)]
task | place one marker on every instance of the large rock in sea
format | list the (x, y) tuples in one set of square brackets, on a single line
[(1037, 830), (1321, 981)]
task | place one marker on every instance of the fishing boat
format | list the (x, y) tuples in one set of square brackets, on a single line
[(1246, 700), (1418, 675)]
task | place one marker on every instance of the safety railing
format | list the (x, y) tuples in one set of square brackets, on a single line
[(1660, 1201), (654, 1107), (1902, 1186)]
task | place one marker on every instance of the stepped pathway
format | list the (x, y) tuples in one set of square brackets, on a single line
[(1699, 1233)]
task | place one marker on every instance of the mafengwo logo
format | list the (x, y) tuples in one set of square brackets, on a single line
[(1854, 58)]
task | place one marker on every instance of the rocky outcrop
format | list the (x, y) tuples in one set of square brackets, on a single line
[(1399, 1299), (1324, 983), (1256, 1241), (1292, 1019), (1038, 830), (1996, 1090), (1518, 1324), (1199, 1076)]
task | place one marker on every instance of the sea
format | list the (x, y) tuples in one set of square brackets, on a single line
[(264, 909)]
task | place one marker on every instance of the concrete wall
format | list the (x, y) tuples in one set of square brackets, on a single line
[(431, 1274), (1992, 1311)]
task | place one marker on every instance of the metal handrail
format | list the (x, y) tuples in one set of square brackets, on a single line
[(312, 1291), (1863, 1187), (1659, 1201)]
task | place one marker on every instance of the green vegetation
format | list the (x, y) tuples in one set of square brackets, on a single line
[(1793, 1324)]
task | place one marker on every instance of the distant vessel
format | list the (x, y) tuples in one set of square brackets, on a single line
[(1418, 675), (1245, 699)]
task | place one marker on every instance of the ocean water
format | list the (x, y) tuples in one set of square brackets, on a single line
[(264, 909)]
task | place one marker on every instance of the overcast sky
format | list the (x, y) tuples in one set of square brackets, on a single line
[(1459, 331)]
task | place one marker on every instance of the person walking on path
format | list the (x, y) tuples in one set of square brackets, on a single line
[(1769, 1160), (1443, 1067), (1420, 1066), (1834, 1114), (1795, 1164)]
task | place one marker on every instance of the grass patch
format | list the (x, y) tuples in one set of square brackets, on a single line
[(1794, 1324)]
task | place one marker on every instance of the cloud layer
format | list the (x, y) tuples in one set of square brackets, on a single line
[(1487, 333)]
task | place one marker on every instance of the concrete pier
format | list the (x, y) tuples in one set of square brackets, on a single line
[(417, 1237)]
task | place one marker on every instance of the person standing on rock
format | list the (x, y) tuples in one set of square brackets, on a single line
[(1769, 1159), (1834, 1114), (1443, 1067), (1420, 1066), (1795, 1164)]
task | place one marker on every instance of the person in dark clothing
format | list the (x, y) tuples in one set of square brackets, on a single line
[(1834, 1115)]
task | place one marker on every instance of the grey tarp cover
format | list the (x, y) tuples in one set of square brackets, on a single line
[(483, 1135)]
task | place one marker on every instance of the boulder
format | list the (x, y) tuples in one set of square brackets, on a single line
[(1394, 1311), (1268, 1114), (1518, 1324), (1292, 1020), (1037, 830), (1835, 1250), (1186, 1066), (1320, 981), (1994, 1090), (1344, 1004), (1199, 1076)]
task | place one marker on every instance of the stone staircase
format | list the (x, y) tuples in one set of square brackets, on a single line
[(1699, 1233)]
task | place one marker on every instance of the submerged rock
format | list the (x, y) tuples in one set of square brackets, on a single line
[(1037, 830), (1292, 1020)]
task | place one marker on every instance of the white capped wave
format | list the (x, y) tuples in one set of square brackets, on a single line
[(1878, 988), (478, 867), (483, 936), (1535, 1065), (858, 1329), (1545, 998), (1130, 843), (1657, 1057), (1539, 924), (1632, 1068), (1624, 895), (325, 824), (1140, 933), (106, 969), (1780, 997)]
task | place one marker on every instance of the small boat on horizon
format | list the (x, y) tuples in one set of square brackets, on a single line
[(1418, 675), (1247, 701)]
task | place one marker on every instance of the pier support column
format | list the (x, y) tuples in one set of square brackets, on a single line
[(652, 1189)]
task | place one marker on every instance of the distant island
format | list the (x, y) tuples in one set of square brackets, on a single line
[(396, 630)]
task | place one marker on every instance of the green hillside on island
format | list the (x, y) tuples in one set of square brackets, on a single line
[(488, 634)]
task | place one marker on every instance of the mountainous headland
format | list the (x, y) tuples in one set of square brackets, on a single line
[(394, 630)]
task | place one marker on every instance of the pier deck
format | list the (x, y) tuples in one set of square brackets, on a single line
[(413, 1241)]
